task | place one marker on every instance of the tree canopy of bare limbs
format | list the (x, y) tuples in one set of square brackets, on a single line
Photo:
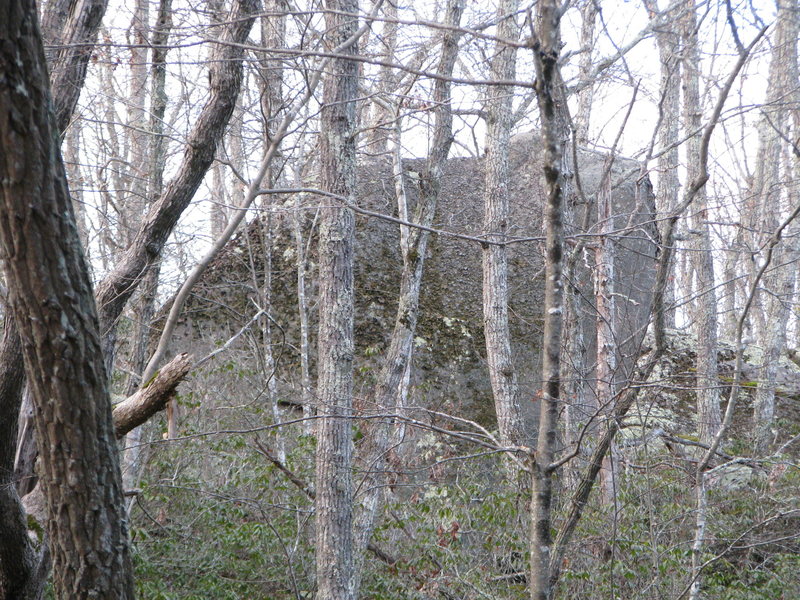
[(413, 300)]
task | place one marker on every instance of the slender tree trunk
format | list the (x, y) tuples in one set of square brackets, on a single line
[(667, 192), (413, 246), (72, 154), (381, 125), (546, 50), (134, 204), (153, 155), (51, 298), (783, 78), (135, 199), (709, 416), (226, 196), (334, 485), (606, 371), (302, 309), (588, 10), (495, 227), (273, 107), (695, 189)]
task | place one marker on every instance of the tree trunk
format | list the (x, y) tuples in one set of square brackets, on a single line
[(667, 192), (381, 125), (780, 281), (334, 485), (225, 76), (70, 30), (273, 34), (51, 299), (605, 304), (546, 51), (17, 558), (709, 416), (392, 381), (307, 397), (134, 205), (495, 227), (589, 9)]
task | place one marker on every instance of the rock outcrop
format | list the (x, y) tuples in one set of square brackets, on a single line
[(449, 367)]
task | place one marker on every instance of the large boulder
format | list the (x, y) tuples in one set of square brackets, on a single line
[(449, 365)]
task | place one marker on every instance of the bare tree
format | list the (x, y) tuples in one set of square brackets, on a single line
[(225, 74), (144, 308), (546, 51), (390, 391), (589, 9), (51, 298), (709, 416), (334, 485), (667, 194), (780, 281), (499, 104)]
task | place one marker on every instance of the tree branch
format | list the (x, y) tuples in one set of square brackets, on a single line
[(153, 397)]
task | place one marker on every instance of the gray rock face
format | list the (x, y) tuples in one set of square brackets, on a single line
[(665, 417), (449, 365)]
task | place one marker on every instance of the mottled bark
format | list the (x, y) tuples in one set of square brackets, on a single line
[(273, 107), (334, 484), (589, 9), (273, 35), (495, 227), (51, 299), (546, 50), (307, 397), (134, 198), (605, 304)]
